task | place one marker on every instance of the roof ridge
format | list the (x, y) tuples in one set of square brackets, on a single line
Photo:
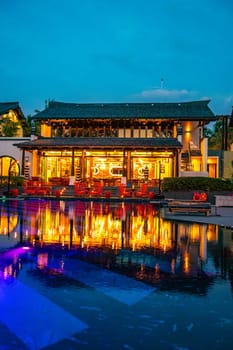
[(152, 103)]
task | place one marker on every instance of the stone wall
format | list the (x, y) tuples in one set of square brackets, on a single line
[(224, 201), (188, 195)]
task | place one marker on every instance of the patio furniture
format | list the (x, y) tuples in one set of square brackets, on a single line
[(189, 207), (80, 188), (200, 196), (124, 191), (143, 192), (151, 195), (14, 192), (43, 190), (107, 194), (96, 190)]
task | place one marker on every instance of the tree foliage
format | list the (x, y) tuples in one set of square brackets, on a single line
[(215, 136), (9, 127)]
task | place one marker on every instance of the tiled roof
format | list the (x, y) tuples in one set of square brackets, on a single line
[(5, 107), (100, 142), (184, 111)]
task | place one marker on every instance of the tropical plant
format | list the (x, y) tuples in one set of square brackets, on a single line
[(9, 127), (27, 127), (215, 136)]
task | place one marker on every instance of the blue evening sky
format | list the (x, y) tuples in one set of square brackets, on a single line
[(116, 51)]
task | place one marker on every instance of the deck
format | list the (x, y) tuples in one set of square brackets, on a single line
[(189, 207)]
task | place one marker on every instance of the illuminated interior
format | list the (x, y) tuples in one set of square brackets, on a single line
[(8, 163), (106, 165)]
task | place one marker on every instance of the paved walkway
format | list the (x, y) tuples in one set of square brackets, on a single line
[(219, 216)]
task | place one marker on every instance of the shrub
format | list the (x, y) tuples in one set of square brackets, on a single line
[(14, 181), (196, 183)]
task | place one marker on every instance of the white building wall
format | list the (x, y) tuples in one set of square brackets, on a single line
[(7, 148)]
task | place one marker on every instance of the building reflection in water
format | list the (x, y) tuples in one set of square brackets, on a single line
[(131, 237)]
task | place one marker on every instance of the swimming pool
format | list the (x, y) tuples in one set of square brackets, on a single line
[(96, 275)]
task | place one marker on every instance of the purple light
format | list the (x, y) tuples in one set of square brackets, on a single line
[(13, 253)]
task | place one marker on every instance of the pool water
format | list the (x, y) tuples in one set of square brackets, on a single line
[(65, 285)]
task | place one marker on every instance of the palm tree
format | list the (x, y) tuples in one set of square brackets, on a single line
[(216, 135), (9, 127)]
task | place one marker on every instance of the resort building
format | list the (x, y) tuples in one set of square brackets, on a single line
[(119, 142), (12, 128)]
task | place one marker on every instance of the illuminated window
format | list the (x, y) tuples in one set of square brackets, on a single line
[(5, 163)]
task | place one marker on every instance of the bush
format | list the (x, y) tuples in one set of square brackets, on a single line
[(14, 181), (195, 184)]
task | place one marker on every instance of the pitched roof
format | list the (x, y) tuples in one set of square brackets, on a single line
[(183, 111), (5, 107), (100, 142)]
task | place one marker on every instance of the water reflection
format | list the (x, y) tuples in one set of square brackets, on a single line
[(130, 238)]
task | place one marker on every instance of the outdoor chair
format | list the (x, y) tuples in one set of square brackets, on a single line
[(29, 187), (124, 191), (80, 189), (43, 190), (96, 190), (143, 192), (29, 190)]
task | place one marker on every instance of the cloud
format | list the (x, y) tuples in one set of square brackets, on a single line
[(160, 94)]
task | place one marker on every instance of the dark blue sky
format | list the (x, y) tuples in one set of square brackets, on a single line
[(113, 51)]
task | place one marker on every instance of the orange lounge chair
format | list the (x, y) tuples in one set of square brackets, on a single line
[(80, 189), (44, 190), (124, 191), (143, 191), (96, 190), (29, 190)]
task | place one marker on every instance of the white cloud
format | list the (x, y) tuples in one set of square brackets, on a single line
[(161, 94)]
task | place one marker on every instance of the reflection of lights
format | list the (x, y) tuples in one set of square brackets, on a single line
[(62, 264), (157, 269), (133, 246), (173, 265), (61, 229), (186, 262), (100, 227), (42, 260)]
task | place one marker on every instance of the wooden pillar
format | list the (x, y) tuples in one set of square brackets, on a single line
[(177, 164), (129, 175), (83, 164), (72, 163), (124, 172), (23, 162)]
